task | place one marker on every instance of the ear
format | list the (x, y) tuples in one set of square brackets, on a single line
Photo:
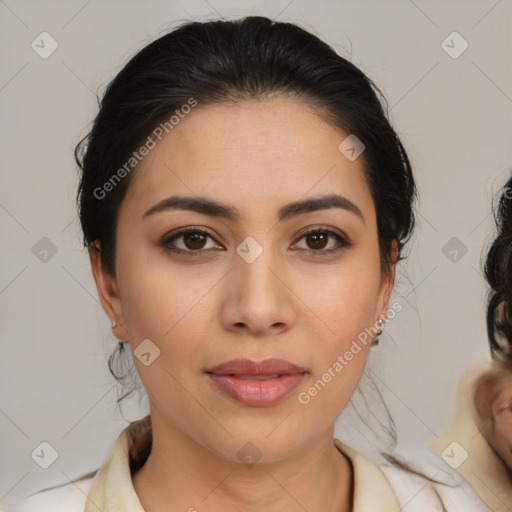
[(387, 282), (107, 292)]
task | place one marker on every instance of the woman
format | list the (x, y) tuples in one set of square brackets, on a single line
[(481, 419), (245, 200)]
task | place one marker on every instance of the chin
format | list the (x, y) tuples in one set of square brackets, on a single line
[(249, 446)]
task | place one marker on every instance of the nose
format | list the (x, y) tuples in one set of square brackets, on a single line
[(258, 296)]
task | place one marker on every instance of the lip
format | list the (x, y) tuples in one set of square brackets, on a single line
[(257, 383)]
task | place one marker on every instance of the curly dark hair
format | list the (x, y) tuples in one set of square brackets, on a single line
[(498, 273)]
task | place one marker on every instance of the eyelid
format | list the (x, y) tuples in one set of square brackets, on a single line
[(183, 231), (327, 229)]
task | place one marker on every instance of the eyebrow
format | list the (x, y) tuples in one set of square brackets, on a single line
[(213, 208)]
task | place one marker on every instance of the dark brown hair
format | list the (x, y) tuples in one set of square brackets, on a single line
[(498, 273)]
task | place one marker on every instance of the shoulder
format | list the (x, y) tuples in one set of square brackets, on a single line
[(448, 493), (69, 497)]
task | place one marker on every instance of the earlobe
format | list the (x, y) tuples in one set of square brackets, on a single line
[(107, 291)]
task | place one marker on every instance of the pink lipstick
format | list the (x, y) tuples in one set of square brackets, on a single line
[(257, 383)]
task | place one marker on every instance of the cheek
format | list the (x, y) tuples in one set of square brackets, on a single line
[(168, 306), (346, 309), (159, 298), (345, 301)]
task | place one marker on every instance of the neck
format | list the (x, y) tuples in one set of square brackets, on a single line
[(180, 474)]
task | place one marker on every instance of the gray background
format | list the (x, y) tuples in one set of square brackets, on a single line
[(453, 115)]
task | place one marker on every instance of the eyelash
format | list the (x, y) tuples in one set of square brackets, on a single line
[(344, 242)]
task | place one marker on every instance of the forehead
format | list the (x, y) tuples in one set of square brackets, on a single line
[(254, 154)]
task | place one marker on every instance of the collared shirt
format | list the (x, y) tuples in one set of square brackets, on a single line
[(113, 490), (463, 447), (376, 489)]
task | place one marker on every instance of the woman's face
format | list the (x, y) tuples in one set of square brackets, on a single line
[(248, 285)]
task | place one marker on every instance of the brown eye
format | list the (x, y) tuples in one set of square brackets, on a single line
[(318, 239), (194, 240), (190, 241)]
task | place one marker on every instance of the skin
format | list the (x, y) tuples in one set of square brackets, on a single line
[(202, 310), (493, 415)]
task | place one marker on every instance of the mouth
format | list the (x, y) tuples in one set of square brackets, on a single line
[(257, 383)]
